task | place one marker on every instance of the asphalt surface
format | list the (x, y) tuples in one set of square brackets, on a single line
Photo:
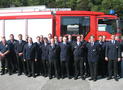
[(22, 82)]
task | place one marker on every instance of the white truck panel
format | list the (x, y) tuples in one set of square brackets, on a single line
[(15, 27), (1, 28), (38, 27)]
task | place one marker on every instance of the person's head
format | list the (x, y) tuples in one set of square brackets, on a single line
[(30, 40), (92, 38), (104, 37), (45, 40), (11, 37), (41, 38), (78, 38), (64, 39), (26, 38), (112, 37), (52, 41), (49, 36), (60, 39), (55, 38), (100, 38), (117, 38), (38, 38), (69, 37), (82, 37), (20, 36), (3, 39)]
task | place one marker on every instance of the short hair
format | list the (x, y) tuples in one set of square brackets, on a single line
[(92, 36), (19, 34)]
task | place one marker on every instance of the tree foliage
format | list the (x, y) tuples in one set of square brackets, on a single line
[(90, 5)]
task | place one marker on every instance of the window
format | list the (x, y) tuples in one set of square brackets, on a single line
[(108, 25), (75, 25)]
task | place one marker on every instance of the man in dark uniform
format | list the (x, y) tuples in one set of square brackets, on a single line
[(19, 53), (4, 57), (13, 58), (65, 50), (86, 65), (71, 63), (39, 65), (121, 49), (93, 56), (44, 56), (30, 57), (112, 55), (104, 61), (53, 56), (101, 64), (78, 53)]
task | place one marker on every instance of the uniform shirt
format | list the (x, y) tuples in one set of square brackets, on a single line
[(4, 48)]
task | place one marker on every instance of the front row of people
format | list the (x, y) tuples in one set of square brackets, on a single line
[(62, 58)]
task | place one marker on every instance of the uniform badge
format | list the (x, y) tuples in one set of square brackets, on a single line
[(94, 50)]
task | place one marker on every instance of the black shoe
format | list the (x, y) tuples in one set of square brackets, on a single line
[(19, 74), (95, 80), (50, 77), (75, 78), (63, 77), (10, 73), (2, 73), (83, 78), (109, 78), (116, 79)]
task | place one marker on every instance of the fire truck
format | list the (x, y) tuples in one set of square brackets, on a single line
[(35, 21)]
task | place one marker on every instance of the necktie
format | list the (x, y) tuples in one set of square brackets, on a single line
[(92, 44)]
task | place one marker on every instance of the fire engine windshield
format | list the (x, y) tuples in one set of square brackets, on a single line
[(108, 25), (75, 25)]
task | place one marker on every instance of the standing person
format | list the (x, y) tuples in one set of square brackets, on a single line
[(53, 57), (93, 56), (101, 56), (86, 65), (112, 55), (4, 57), (78, 53), (121, 47), (117, 38), (44, 56), (71, 63), (19, 53), (30, 57), (105, 66), (65, 50), (12, 42), (39, 67)]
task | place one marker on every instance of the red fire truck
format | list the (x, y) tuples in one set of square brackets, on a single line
[(59, 23)]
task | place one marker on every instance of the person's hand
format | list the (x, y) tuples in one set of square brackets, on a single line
[(106, 58), (20, 54), (119, 59), (3, 55), (24, 60), (35, 60)]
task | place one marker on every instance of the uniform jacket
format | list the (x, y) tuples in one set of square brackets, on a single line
[(113, 50), (93, 52)]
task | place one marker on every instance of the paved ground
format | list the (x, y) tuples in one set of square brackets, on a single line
[(15, 82)]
